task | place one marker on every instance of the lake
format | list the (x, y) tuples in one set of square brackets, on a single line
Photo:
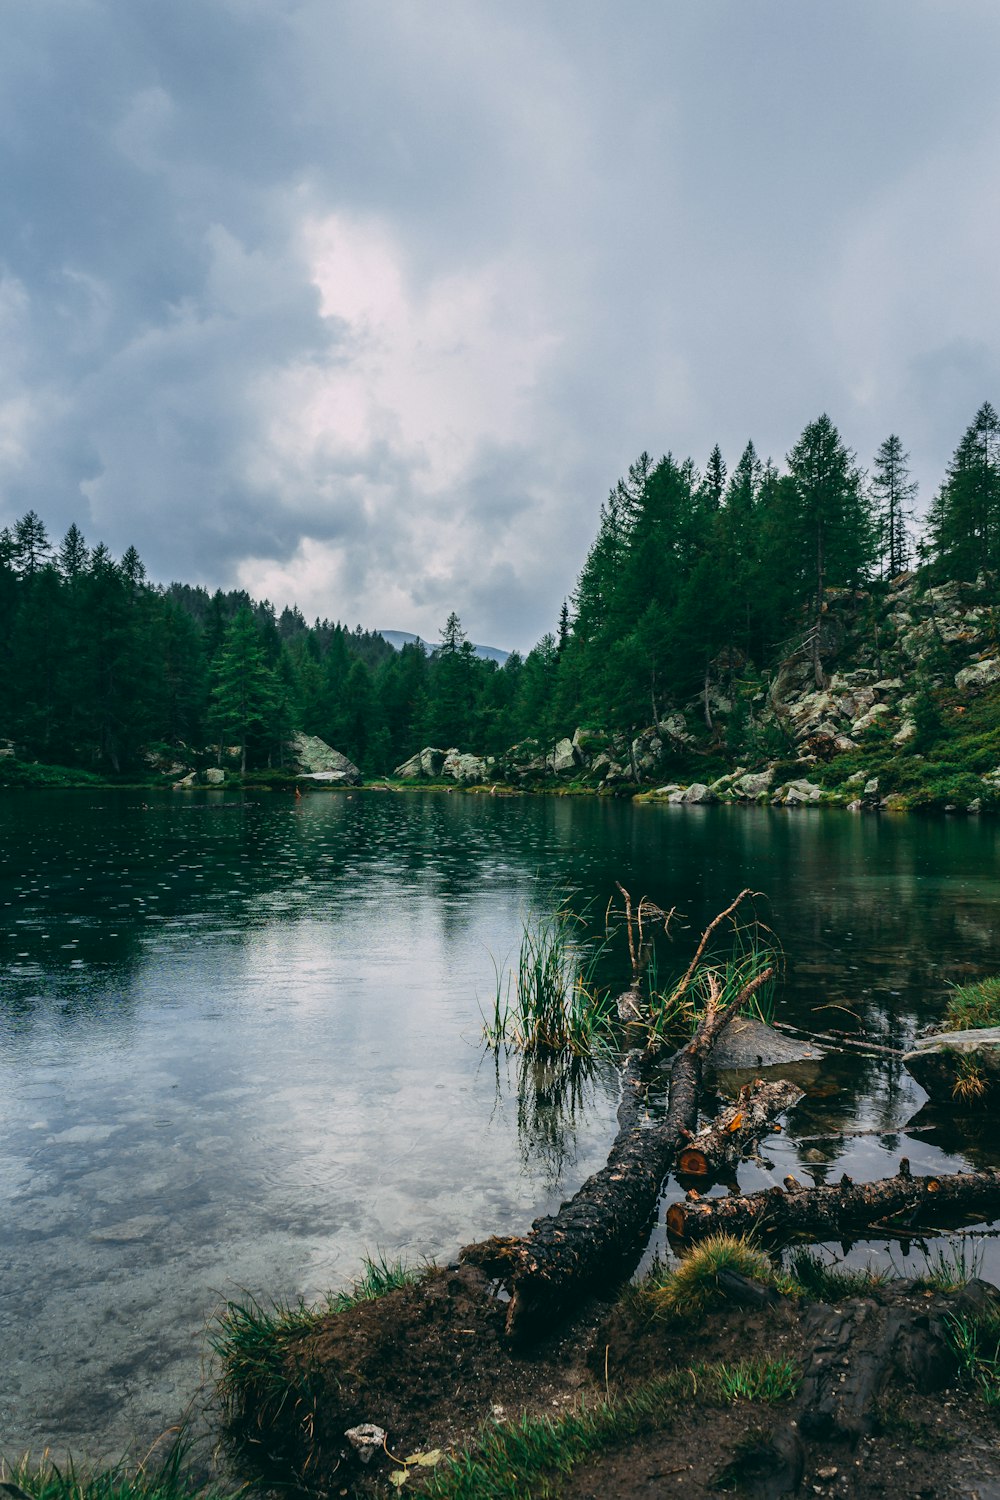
[(240, 1045)]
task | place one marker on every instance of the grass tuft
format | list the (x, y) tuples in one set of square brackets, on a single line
[(951, 1267), (166, 1479), (973, 1005), (976, 1342), (689, 1288), (824, 1281)]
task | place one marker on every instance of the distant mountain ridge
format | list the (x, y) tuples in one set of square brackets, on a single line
[(400, 638)]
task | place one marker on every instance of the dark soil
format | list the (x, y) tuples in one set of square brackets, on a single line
[(429, 1364)]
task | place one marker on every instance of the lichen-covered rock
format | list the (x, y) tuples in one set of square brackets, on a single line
[(675, 727), (467, 769), (868, 719), (799, 792), (980, 674), (755, 784), (431, 761), (563, 758), (310, 753), (692, 795), (410, 769), (215, 776)]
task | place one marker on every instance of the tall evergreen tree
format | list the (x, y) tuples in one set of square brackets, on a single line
[(964, 520), (31, 544), (714, 483), (244, 691), (893, 493), (831, 529)]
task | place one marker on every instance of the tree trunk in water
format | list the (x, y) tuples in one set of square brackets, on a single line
[(835, 1211), (593, 1234), (717, 1148)]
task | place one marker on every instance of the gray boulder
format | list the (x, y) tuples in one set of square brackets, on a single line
[(800, 792), (754, 784), (979, 675), (215, 776), (467, 769), (563, 758), (693, 795), (410, 769), (431, 761), (959, 1067), (312, 754)]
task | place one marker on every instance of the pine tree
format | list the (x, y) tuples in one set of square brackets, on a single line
[(830, 524), (893, 492), (964, 520), (713, 486), (31, 545), (73, 554), (244, 692)]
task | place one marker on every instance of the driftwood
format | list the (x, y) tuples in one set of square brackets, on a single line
[(717, 1148), (835, 1211), (838, 1040), (597, 1230)]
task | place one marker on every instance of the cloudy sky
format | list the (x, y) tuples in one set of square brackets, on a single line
[(367, 305)]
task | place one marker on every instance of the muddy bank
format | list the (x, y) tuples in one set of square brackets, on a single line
[(863, 1396)]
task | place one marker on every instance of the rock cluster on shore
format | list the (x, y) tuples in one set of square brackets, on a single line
[(875, 659)]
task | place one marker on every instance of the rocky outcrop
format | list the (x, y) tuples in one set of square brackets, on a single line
[(313, 756), (980, 674), (467, 769)]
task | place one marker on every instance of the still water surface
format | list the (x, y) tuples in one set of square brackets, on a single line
[(239, 1045)]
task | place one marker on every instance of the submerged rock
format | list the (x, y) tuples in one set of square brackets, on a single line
[(749, 1043)]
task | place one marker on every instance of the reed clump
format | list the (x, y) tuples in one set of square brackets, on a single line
[(552, 1002)]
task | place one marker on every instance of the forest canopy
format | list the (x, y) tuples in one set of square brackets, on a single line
[(688, 568)]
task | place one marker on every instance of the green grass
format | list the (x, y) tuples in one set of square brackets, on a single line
[(527, 1459), (253, 1341), (976, 1342), (951, 1267), (165, 1479), (823, 1281), (973, 1005), (692, 1286), (552, 1003)]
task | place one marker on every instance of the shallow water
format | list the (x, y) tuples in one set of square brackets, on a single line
[(239, 1045)]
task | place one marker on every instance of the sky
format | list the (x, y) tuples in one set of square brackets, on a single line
[(366, 306)]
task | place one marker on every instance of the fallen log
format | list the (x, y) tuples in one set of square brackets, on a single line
[(593, 1234), (719, 1146), (834, 1211)]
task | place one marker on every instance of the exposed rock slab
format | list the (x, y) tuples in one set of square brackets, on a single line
[(311, 755), (749, 1043)]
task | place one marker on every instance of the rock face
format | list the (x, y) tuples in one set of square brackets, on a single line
[(467, 769), (564, 757), (978, 676), (959, 1068), (312, 755), (214, 776)]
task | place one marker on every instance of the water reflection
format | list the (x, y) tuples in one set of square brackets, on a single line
[(240, 1043)]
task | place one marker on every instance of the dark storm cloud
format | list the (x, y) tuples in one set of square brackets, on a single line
[(368, 304)]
